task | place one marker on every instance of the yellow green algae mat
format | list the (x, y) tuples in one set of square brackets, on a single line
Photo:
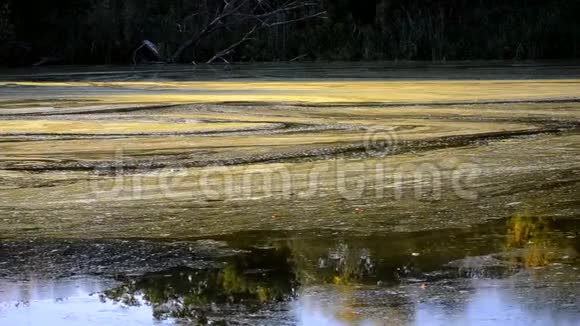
[(142, 196)]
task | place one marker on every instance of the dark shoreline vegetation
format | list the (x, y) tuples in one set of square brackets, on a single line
[(109, 31)]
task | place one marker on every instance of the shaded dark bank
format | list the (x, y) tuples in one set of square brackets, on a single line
[(109, 31), (524, 269)]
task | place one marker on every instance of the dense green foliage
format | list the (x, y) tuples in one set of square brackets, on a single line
[(107, 31)]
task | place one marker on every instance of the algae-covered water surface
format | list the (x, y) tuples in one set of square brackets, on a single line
[(359, 194)]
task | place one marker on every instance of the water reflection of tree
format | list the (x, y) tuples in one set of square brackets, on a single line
[(246, 283), (532, 240), (342, 264), (347, 267), (249, 282), (258, 281)]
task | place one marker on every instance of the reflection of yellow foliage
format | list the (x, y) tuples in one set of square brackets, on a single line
[(346, 310), (525, 227), (232, 280), (349, 315), (339, 280), (531, 233), (537, 255), (263, 294)]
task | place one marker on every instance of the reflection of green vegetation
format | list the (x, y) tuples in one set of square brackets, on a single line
[(250, 281), (348, 265), (342, 265), (262, 278), (264, 289), (352, 265)]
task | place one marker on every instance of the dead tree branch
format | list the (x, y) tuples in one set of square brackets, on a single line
[(250, 15), (229, 49)]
